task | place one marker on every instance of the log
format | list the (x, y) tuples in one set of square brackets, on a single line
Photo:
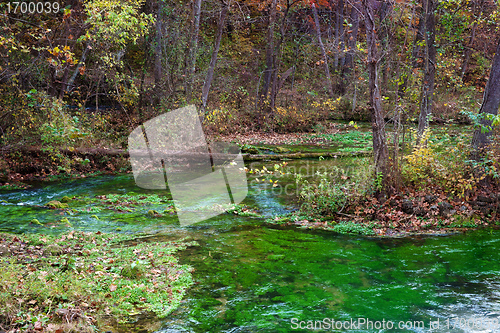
[(247, 157)]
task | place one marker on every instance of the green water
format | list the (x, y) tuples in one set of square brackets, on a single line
[(253, 277)]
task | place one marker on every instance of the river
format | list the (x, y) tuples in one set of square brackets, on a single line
[(255, 277)]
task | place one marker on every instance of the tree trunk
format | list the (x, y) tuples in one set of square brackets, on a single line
[(351, 40), (430, 67), (158, 68), (380, 150), (69, 85), (491, 102), (213, 60), (193, 47), (277, 82), (468, 50), (269, 52), (419, 37), (340, 46), (385, 36), (339, 25), (64, 81), (325, 57)]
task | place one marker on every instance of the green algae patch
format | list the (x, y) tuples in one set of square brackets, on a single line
[(124, 203), (88, 280)]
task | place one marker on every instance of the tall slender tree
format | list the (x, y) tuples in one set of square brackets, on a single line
[(380, 150), (192, 49), (429, 65), (323, 51), (477, 10), (213, 59), (268, 74), (352, 35)]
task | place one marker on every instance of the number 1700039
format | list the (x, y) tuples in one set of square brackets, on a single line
[(18, 7)]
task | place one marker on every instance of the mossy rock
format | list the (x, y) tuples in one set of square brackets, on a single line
[(153, 213), (169, 210), (35, 221), (280, 150), (249, 149), (132, 271), (65, 199), (54, 204), (52, 250)]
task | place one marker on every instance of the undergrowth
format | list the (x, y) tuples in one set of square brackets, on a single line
[(87, 279)]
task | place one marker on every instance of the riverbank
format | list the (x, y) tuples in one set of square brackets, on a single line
[(85, 282)]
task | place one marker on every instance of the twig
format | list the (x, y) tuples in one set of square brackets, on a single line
[(348, 215), (406, 218)]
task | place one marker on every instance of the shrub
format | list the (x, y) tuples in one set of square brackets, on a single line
[(329, 192), (292, 119), (448, 167)]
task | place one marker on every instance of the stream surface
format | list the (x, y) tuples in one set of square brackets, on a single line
[(256, 277)]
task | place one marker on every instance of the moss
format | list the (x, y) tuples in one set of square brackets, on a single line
[(54, 204), (65, 199), (170, 210), (280, 150), (249, 149), (153, 212)]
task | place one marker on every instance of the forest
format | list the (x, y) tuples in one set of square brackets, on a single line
[(365, 126)]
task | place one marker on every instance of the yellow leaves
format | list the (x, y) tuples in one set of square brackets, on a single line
[(67, 12), (55, 51)]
